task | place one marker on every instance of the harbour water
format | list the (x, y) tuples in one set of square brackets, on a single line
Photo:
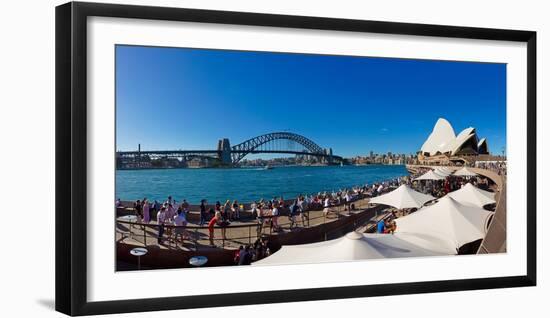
[(246, 184)]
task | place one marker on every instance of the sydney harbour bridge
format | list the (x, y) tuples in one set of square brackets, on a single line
[(227, 155)]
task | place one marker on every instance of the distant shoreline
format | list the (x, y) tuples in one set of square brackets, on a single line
[(259, 166)]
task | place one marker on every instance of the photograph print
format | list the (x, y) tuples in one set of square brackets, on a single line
[(233, 158)]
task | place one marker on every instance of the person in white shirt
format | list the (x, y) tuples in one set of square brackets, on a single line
[(275, 217), (326, 206), (180, 222), (161, 219), (348, 202)]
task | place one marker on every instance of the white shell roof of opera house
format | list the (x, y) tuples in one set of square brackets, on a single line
[(443, 139)]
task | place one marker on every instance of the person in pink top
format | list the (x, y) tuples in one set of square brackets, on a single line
[(146, 212)]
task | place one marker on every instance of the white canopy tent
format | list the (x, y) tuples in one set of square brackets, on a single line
[(473, 196), (431, 175), (442, 171), (356, 246), (464, 172), (450, 221), (446, 169), (403, 198)]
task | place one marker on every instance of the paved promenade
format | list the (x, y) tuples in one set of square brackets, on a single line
[(238, 233)]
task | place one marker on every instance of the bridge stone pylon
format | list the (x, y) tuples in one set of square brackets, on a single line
[(224, 151)]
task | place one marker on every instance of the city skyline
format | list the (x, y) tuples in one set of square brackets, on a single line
[(172, 98)]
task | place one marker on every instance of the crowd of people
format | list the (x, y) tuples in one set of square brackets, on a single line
[(436, 188), (267, 213), (246, 254), (439, 188), (497, 166)]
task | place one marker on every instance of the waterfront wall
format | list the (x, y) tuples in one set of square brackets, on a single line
[(159, 258)]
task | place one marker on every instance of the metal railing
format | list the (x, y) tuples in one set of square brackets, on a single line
[(238, 234)]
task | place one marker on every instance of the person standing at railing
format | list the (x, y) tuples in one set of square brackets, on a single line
[(294, 211), (258, 209), (138, 209), (203, 212), (304, 214), (216, 220), (185, 206), (281, 203), (226, 212), (254, 209), (146, 211), (235, 215), (161, 219), (180, 222), (170, 211), (348, 199), (326, 205), (170, 214), (154, 208), (170, 200), (275, 218)]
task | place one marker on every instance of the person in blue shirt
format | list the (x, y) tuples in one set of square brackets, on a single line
[(380, 226), (294, 211)]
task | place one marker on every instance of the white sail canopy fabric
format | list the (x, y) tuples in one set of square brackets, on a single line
[(431, 175), (446, 169), (473, 196), (442, 171), (450, 221), (356, 246), (403, 198), (465, 172)]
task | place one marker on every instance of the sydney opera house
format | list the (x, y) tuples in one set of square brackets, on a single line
[(443, 146)]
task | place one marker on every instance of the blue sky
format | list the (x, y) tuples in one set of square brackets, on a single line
[(174, 98)]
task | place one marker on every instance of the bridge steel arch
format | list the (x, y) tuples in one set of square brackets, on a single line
[(244, 148)]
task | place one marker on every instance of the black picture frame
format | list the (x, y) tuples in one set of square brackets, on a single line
[(71, 157)]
